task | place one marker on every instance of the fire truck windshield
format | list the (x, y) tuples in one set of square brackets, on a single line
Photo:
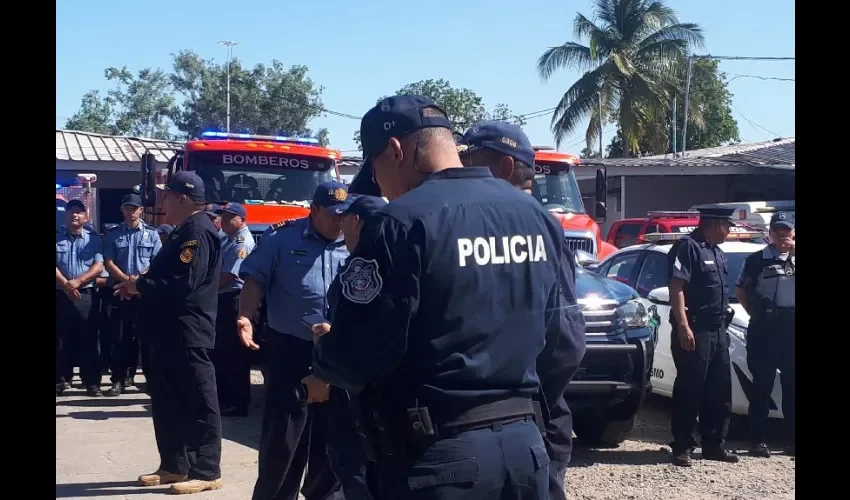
[(555, 187), (232, 176)]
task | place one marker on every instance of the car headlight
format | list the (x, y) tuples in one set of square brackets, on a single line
[(739, 332), (632, 314)]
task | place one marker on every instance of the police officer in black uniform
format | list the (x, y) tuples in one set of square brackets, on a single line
[(452, 293), (767, 290), (177, 312), (505, 149), (699, 344)]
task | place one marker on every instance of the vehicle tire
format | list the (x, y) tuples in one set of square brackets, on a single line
[(594, 430)]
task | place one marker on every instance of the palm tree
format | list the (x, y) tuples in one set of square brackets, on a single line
[(632, 63)]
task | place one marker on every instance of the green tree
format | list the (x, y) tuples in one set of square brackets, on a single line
[(266, 100), (635, 52), (588, 152), (463, 106), (94, 115), (710, 120), (141, 105)]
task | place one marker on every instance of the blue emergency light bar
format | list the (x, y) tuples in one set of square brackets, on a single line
[(250, 137), (59, 186)]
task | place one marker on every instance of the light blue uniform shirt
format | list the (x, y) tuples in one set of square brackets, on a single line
[(234, 250), (295, 266), (75, 254), (132, 249)]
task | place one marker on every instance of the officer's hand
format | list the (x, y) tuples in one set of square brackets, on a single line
[(317, 390), (319, 330), (246, 332), (73, 294), (686, 338), (72, 284)]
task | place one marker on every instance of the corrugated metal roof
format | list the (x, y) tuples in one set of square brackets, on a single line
[(778, 154), (86, 146)]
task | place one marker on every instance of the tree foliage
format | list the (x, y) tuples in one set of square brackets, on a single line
[(634, 53), (141, 105), (463, 106), (710, 120), (266, 99)]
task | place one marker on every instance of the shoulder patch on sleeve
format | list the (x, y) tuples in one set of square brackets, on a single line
[(361, 282), (187, 255), (190, 243), (242, 253)]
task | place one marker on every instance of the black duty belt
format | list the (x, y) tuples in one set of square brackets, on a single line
[(505, 411)]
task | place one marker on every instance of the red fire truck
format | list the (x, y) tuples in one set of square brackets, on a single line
[(273, 177), (556, 188)]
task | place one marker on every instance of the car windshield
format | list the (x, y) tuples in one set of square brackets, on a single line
[(239, 177), (555, 187)]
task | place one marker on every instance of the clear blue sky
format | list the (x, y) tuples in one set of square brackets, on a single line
[(361, 50)]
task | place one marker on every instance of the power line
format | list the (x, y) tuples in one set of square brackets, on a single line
[(759, 77), (744, 58), (756, 126)]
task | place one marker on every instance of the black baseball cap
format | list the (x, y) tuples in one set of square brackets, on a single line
[(363, 182), (188, 183), (782, 220), (397, 116), (75, 204), (365, 206), (502, 137), (132, 200), (164, 229)]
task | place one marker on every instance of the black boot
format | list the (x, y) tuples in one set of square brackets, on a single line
[(116, 390), (93, 391), (760, 450), (719, 455)]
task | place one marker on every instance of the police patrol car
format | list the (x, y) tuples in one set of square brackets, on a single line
[(644, 267), (614, 377)]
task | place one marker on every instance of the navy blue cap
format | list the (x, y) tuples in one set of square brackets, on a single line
[(716, 212), (131, 199), (333, 196), (782, 220), (188, 183), (503, 137), (164, 228), (235, 209), (365, 206), (397, 117), (364, 182), (75, 203)]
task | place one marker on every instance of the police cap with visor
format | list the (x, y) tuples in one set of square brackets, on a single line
[(188, 183), (716, 212)]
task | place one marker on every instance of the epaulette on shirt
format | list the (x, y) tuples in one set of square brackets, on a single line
[(283, 223)]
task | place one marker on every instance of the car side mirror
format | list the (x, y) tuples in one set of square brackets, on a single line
[(660, 296), (585, 259)]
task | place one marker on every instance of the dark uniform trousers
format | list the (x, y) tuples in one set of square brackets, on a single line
[(76, 336), (294, 434), (703, 387), (557, 480), (494, 462), (125, 343), (345, 450), (186, 419), (232, 360), (106, 331), (770, 346)]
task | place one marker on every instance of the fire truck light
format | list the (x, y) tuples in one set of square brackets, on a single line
[(224, 135)]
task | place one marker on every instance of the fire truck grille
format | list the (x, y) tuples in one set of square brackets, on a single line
[(577, 243)]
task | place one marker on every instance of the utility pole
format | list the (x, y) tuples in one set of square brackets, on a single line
[(229, 44), (687, 103), (600, 125), (674, 126)]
